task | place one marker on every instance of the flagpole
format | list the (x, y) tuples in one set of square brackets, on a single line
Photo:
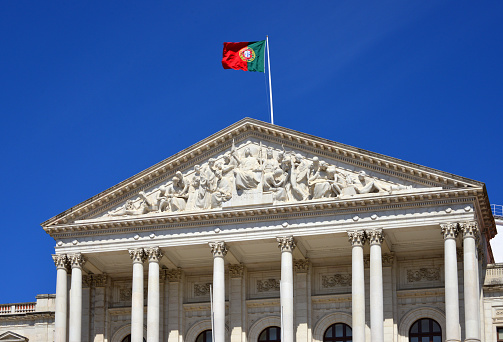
[(269, 70)]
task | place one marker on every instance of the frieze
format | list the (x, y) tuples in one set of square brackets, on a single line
[(268, 285), (336, 280), (257, 174), (423, 274)]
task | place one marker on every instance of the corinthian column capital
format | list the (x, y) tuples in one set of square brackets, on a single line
[(286, 243), (449, 230), (357, 237), (153, 254), (375, 236), (60, 260), (218, 249), (77, 260), (469, 229), (137, 255)]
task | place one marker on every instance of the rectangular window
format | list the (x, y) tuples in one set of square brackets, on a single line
[(500, 334)]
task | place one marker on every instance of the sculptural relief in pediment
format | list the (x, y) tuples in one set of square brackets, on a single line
[(254, 173)]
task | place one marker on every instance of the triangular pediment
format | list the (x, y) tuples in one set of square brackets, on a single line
[(10, 336), (253, 163)]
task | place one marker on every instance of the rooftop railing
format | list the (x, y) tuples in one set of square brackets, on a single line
[(497, 210), (19, 308)]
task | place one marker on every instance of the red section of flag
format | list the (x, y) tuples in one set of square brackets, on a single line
[(231, 59)]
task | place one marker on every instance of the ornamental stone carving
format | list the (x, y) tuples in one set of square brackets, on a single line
[(153, 254), (202, 289), (254, 173), (337, 280), (218, 249), (173, 275), (77, 260), (301, 265), (469, 229), (375, 236), (137, 255), (268, 285), (357, 237), (387, 259), (449, 230), (60, 260), (423, 274), (94, 280), (286, 243), (236, 270)]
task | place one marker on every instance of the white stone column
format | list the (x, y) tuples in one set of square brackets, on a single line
[(219, 250), (357, 239), (154, 255), (61, 304), (287, 245), (375, 237), (76, 261), (138, 257), (450, 232), (471, 281)]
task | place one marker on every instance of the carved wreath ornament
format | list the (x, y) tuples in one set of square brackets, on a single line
[(266, 176)]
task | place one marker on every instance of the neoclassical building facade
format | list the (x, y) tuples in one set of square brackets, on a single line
[(262, 233)]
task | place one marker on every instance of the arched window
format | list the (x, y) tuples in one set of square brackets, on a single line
[(338, 332), (205, 336), (270, 334), (425, 330), (128, 339)]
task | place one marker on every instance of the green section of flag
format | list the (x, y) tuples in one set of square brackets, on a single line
[(258, 63)]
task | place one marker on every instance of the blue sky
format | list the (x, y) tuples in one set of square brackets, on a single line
[(94, 92)]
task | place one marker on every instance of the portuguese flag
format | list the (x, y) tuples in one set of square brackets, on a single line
[(247, 56)]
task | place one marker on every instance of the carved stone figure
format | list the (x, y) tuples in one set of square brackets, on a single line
[(177, 193), (225, 174), (319, 182), (299, 177), (248, 171), (363, 184)]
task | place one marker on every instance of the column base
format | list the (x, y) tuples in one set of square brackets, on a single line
[(451, 340), (472, 340)]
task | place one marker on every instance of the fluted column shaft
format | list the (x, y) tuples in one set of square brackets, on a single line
[(357, 239), (471, 281), (375, 237), (154, 255), (75, 332), (287, 245), (138, 257), (60, 314), (219, 250), (450, 232)]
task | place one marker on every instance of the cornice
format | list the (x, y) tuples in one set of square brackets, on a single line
[(290, 210), (32, 316), (248, 128)]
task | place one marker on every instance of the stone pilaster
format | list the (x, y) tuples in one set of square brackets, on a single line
[(174, 316), (302, 300), (357, 239), (237, 292)]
